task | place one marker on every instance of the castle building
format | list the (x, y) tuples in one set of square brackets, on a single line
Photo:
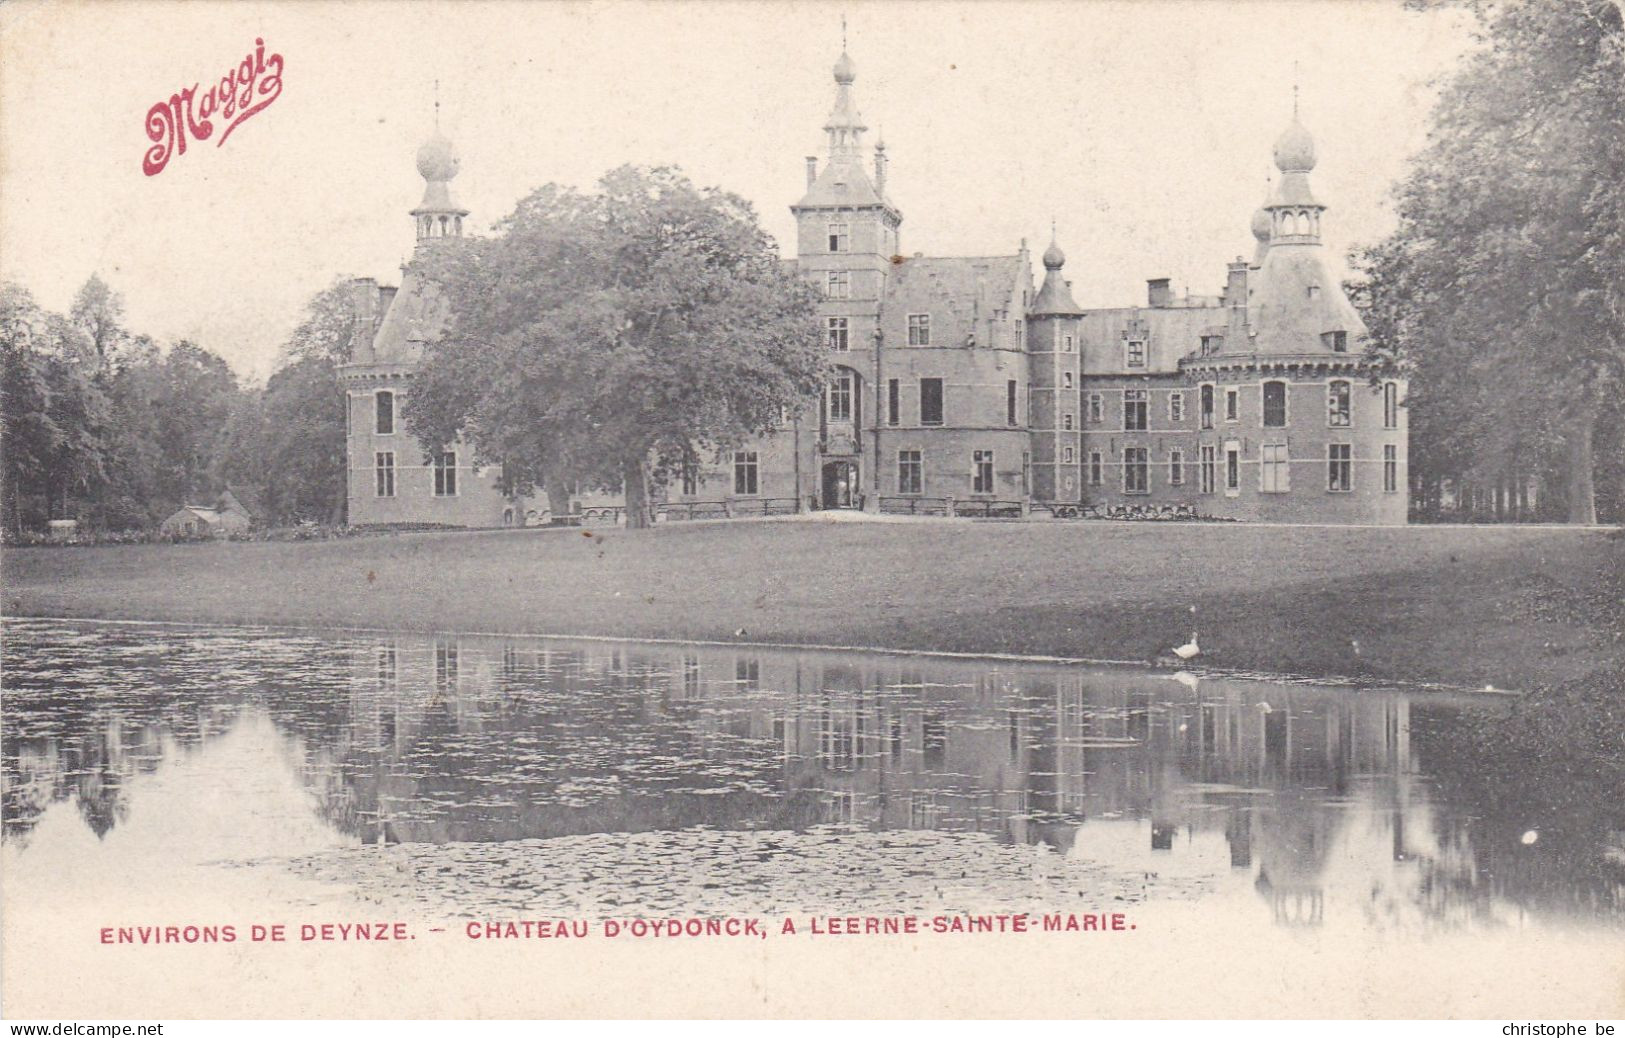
[(959, 386)]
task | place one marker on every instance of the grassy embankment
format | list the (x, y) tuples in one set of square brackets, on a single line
[(1516, 608)]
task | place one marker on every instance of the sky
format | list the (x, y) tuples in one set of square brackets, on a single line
[(1141, 129)]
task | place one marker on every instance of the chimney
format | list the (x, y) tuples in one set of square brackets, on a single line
[(364, 312), (1157, 292), (880, 170), (1235, 296), (812, 169)]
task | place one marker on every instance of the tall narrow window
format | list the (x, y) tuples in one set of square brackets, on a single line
[(838, 284), (445, 474), (919, 329), (840, 398), (1176, 407), (745, 473), (1204, 407), (981, 477), (1337, 342), (1275, 405), (1067, 344), (1067, 455), (1339, 467), (1066, 380), (1232, 405), (385, 419), (1232, 467), (384, 470), (1097, 469), (838, 334), (893, 402), (1010, 402), (1136, 353), (1135, 408), (1337, 405), (1136, 470), (1066, 421), (910, 472), (1274, 470), (839, 238), (930, 401), (691, 477), (1390, 405), (1390, 468), (1097, 407), (1176, 467), (1207, 470)]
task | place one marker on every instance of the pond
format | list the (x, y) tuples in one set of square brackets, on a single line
[(151, 771)]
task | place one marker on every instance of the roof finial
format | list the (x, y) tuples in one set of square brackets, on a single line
[(1052, 229), (437, 104), (843, 32), (1294, 90)]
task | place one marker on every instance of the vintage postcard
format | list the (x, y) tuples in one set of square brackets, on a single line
[(798, 509)]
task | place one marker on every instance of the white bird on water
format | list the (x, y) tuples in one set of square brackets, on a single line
[(1189, 649)]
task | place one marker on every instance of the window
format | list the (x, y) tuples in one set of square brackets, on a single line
[(385, 419), (1274, 471), (1134, 410), (893, 402), (1097, 407), (838, 331), (1390, 468), (910, 472), (1212, 344), (1136, 353), (1337, 404), (1337, 342), (384, 469), (840, 399), (1067, 345), (691, 477), (1136, 474), (930, 401), (839, 239), (445, 474), (1097, 467), (1066, 380), (1207, 472), (745, 473), (1176, 468), (1010, 402), (1205, 407), (1232, 405), (1390, 405), (1275, 405), (1232, 467), (1067, 455), (981, 476), (1176, 407), (838, 284), (1339, 467), (919, 329), (1066, 421)]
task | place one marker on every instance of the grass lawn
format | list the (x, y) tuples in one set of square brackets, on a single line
[(1513, 607)]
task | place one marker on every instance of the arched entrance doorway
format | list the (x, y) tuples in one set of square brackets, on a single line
[(840, 485)]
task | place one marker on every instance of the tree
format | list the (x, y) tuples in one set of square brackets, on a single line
[(98, 312), (605, 337), (1500, 291)]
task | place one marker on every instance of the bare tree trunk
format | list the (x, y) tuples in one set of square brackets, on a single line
[(1582, 490), (635, 480)]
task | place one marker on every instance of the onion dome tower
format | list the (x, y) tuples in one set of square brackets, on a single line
[(438, 216)]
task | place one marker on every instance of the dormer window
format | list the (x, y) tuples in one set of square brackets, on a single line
[(1212, 344), (1314, 291), (1135, 353), (839, 238), (1337, 342)]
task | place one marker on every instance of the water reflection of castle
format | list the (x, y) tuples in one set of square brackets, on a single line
[(1291, 791)]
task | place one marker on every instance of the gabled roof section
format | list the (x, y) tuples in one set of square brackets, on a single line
[(843, 183)]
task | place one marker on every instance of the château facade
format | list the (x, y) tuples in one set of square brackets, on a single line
[(961, 384)]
